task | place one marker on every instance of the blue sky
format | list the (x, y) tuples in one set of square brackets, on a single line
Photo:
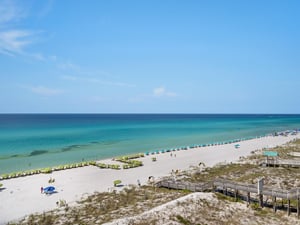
[(163, 56)]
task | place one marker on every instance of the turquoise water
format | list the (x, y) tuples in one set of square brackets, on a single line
[(29, 141)]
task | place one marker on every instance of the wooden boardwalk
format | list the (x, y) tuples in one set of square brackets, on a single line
[(238, 189), (280, 162), (292, 194), (179, 185)]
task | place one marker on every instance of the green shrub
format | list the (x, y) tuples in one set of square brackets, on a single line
[(183, 220), (255, 206)]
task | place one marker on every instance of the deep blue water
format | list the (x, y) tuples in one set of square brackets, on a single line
[(30, 141)]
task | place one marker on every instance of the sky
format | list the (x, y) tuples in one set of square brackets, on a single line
[(149, 56)]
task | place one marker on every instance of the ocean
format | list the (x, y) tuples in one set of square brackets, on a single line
[(31, 141)]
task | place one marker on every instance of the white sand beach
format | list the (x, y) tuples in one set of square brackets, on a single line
[(22, 196)]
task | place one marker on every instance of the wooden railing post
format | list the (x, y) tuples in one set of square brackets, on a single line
[(236, 194), (261, 202), (248, 198), (298, 205), (274, 204), (289, 207)]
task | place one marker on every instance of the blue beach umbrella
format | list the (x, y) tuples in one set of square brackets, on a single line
[(49, 190)]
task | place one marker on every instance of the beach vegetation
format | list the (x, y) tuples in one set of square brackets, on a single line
[(104, 207), (183, 220), (223, 197)]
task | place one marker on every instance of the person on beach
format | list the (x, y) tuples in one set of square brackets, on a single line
[(42, 189), (139, 183)]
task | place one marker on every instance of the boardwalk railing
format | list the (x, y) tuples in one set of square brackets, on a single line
[(252, 188), (184, 185), (225, 185), (280, 162)]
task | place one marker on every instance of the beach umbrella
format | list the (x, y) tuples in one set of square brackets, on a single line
[(49, 190)]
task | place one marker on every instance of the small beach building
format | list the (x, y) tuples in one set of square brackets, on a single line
[(271, 157)]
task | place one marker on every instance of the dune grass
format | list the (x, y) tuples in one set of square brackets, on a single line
[(104, 207)]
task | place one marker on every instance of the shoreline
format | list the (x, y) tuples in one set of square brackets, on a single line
[(73, 184), (38, 170)]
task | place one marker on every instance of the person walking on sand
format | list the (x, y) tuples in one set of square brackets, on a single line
[(42, 189), (139, 183)]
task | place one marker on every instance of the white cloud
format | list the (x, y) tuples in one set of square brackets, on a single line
[(45, 91), (10, 12), (162, 92), (14, 41)]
